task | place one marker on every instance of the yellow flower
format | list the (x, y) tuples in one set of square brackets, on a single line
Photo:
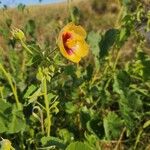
[(71, 42)]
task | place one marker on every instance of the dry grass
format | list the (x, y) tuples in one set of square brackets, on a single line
[(46, 13), (49, 18)]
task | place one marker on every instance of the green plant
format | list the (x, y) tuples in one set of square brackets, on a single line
[(48, 102)]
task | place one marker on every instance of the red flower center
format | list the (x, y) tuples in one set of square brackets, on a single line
[(66, 36)]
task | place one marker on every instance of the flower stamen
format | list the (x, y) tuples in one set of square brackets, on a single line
[(66, 36)]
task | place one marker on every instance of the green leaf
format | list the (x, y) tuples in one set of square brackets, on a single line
[(78, 146), (66, 135), (39, 75), (95, 126), (5, 110), (123, 36), (11, 119), (129, 102), (30, 90), (52, 141), (117, 87), (54, 107), (89, 71), (35, 95), (51, 96), (123, 79), (70, 108), (93, 40), (91, 140), (121, 82), (70, 70), (145, 61), (146, 124), (4, 106), (107, 41), (84, 118), (17, 121), (3, 127), (113, 126)]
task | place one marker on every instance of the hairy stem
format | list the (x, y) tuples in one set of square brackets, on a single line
[(25, 47), (47, 107)]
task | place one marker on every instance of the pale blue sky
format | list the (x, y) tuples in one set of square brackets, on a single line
[(27, 2)]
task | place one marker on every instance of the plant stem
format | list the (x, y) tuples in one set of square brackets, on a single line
[(13, 87), (116, 60), (119, 141), (70, 11), (47, 107), (25, 47)]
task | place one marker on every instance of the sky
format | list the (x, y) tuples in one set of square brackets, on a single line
[(11, 3)]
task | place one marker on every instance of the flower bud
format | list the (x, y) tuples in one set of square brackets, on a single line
[(18, 34)]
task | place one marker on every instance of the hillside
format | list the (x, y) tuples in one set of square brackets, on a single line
[(49, 17)]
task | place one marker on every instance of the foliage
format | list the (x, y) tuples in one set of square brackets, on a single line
[(48, 102)]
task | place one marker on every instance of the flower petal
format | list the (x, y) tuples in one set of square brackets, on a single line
[(81, 49), (77, 29)]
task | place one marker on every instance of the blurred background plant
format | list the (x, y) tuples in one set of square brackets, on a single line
[(47, 102)]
